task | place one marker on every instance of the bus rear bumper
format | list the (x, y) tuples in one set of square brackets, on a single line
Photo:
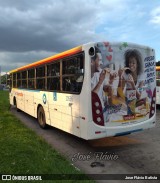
[(124, 129)]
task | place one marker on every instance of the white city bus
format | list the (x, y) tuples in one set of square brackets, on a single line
[(158, 85), (92, 91)]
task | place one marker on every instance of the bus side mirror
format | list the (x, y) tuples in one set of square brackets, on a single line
[(92, 51)]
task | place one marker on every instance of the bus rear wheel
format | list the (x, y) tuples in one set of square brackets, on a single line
[(41, 117)]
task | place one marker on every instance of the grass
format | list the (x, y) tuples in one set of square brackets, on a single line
[(23, 152)]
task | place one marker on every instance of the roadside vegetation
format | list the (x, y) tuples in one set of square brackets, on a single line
[(23, 152)]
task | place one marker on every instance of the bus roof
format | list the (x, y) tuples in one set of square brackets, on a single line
[(49, 59)]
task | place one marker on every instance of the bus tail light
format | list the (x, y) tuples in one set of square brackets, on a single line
[(153, 104), (97, 111)]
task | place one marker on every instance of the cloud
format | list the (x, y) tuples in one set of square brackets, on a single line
[(9, 59), (32, 30), (155, 16), (51, 26)]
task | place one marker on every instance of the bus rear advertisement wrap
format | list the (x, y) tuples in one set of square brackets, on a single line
[(123, 84)]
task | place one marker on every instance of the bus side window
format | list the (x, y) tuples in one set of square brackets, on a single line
[(53, 84), (41, 84), (73, 74), (19, 80), (66, 84), (53, 76), (40, 78), (24, 79), (73, 83), (31, 78)]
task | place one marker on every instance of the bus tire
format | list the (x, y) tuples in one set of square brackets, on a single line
[(41, 117), (15, 104)]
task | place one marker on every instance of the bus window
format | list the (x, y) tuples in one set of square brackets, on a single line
[(31, 78), (73, 65), (72, 83), (40, 78), (14, 80), (31, 73), (24, 79), (53, 83), (40, 83), (19, 85), (53, 69), (53, 76), (40, 72), (72, 71)]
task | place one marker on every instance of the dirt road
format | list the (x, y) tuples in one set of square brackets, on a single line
[(138, 153)]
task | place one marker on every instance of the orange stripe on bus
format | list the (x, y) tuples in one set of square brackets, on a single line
[(50, 59)]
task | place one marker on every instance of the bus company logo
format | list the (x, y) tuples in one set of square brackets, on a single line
[(44, 98)]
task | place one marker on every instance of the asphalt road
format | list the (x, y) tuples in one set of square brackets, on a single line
[(138, 153)]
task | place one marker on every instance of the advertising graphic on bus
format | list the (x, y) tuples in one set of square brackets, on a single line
[(92, 91), (158, 85), (123, 80)]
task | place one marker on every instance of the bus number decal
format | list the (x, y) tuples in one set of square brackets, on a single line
[(54, 96)]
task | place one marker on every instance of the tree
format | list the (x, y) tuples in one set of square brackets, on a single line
[(3, 79)]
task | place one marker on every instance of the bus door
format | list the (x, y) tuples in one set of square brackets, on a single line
[(70, 113), (64, 112), (72, 81)]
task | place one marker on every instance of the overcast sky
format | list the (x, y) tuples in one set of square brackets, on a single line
[(34, 29)]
